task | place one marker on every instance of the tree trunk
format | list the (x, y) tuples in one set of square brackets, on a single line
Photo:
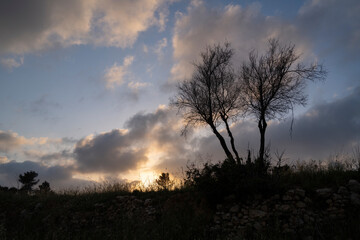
[(232, 141), (262, 127), (222, 142)]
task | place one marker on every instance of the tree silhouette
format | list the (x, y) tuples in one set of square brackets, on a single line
[(272, 84), (28, 180), (45, 187), (210, 96), (164, 181)]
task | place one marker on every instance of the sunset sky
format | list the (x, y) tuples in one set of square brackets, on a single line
[(85, 84)]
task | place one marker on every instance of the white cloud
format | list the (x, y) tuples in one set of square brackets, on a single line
[(117, 75), (246, 28), (38, 25), (137, 85), (158, 49), (11, 63)]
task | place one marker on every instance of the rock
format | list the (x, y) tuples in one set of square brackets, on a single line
[(121, 198), (300, 192), (284, 208), (99, 205), (230, 198), (256, 213), (355, 199), (264, 208), (257, 226), (337, 197), (235, 209), (286, 198), (329, 202), (308, 238), (147, 202), (324, 192), (354, 186), (300, 205), (343, 190)]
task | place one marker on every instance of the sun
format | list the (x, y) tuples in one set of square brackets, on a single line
[(148, 178)]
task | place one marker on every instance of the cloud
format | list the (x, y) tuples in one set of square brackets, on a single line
[(39, 25), (323, 130), (108, 152), (59, 177), (10, 140), (149, 140), (3, 159), (117, 75), (11, 63), (158, 49), (336, 21), (64, 157), (245, 27)]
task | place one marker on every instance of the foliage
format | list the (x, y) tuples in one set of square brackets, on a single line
[(45, 187), (164, 182), (28, 180)]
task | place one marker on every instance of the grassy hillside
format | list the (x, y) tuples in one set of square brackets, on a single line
[(197, 210)]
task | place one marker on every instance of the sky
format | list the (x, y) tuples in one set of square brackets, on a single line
[(85, 84)]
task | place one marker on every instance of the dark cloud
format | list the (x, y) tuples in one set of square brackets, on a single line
[(59, 177), (323, 130), (48, 157), (108, 152), (332, 25), (123, 150)]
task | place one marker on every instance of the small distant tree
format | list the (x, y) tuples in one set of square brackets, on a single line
[(45, 187), (28, 180), (272, 84), (164, 181)]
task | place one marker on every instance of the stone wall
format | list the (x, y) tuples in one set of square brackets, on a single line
[(293, 212)]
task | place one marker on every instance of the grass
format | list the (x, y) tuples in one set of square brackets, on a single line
[(184, 213)]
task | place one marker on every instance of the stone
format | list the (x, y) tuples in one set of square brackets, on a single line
[(300, 204), (257, 226), (337, 197), (121, 198), (286, 198), (256, 213), (147, 202), (343, 190), (300, 192), (329, 202), (324, 192), (235, 209), (264, 208), (284, 208), (219, 207), (354, 186), (308, 238), (355, 199)]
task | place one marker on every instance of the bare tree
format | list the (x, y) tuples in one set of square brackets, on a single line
[(210, 96), (272, 84)]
